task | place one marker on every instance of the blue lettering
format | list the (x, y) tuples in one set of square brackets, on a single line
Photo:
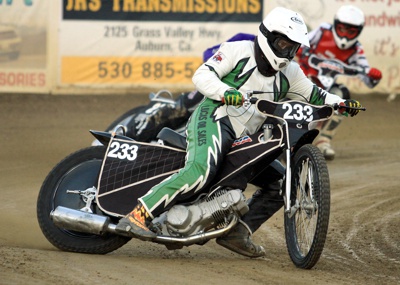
[(9, 2)]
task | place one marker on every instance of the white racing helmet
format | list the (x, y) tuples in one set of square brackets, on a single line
[(279, 37), (347, 26)]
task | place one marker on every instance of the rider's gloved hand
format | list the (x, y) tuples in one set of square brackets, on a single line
[(233, 97), (374, 74), (351, 104)]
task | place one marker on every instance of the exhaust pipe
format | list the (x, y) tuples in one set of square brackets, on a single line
[(80, 221), (199, 238)]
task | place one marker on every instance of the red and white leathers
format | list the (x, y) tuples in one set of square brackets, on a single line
[(322, 44)]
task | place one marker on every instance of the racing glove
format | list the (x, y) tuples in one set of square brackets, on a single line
[(347, 105), (233, 97), (374, 74)]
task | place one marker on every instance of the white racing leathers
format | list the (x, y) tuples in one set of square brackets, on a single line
[(234, 66)]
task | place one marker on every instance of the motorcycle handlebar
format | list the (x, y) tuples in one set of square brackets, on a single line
[(249, 99)]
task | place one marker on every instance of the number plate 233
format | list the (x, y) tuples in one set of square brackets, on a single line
[(122, 151)]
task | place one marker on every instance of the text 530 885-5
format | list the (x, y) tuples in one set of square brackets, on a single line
[(146, 69), (129, 70)]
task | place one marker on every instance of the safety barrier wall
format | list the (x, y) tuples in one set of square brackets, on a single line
[(116, 46)]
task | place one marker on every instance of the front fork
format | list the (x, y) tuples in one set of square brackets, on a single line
[(289, 209)]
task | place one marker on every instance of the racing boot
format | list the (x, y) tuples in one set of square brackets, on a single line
[(135, 224), (325, 147), (263, 205), (239, 241), (327, 132)]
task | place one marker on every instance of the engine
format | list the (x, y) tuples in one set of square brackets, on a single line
[(203, 215)]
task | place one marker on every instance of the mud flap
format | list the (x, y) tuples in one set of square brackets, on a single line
[(130, 169)]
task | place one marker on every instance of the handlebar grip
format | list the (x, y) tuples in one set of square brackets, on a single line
[(337, 106), (251, 100)]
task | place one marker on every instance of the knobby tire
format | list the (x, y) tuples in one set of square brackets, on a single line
[(312, 215)]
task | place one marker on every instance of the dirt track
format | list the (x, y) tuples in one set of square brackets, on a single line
[(363, 245)]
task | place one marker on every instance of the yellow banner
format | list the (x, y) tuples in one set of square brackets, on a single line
[(131, 70)]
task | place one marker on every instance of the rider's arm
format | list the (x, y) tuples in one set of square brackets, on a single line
[(207, 77), (359, 59), (207, 81)]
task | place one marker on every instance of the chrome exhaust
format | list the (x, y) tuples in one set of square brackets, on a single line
[(199, 238), (80, 221)]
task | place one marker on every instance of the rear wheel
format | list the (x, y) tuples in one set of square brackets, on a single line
[(78, 171), (306, 230)]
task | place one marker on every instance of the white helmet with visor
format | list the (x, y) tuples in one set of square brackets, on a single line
[(279, 37), (347, 26)]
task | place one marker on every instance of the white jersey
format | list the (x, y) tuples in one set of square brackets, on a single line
[(234, 66)]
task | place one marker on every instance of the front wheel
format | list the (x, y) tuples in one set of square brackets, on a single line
[(78, 171), (306, 230)]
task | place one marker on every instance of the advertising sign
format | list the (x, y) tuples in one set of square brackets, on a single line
[(23, 45), (126, 42), (95, 45)]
